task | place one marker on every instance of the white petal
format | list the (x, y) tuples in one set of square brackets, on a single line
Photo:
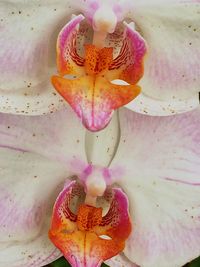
[(101, 146), (120, 261), (160, 157), (151, 3), (29, 185), (58, 136), (154, 107), (27, 57), (172, 66)]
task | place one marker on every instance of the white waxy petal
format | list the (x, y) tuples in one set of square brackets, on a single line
[(172, 65), (101, 146), (27, 57), (37, 155), (154, 107), (29, 185), (59, 136), (159, 157)]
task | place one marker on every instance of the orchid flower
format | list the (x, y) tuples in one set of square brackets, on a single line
[(156, 173), (91, 92), (123, 194), (30, 29)]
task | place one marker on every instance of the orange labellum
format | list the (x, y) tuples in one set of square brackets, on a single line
[(91, 93), (89, 238)]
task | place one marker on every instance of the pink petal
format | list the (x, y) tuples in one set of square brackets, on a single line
[(38, 154), (68, 59), (172, 67), (161, 164), (25, 207), (128, 65)]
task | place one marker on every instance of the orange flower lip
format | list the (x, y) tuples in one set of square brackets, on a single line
[(91, 93), (88, 217), (88, 238)]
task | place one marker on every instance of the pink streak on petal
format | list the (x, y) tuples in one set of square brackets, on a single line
[(139, 44), (16, 218), (64, 42), (131, 56), (14, 148), (180, 181), (165, 69), (166, 213)]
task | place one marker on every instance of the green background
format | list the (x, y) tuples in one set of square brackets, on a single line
[(63, 263)]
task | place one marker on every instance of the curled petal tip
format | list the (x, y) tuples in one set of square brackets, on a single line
[(94, 103)]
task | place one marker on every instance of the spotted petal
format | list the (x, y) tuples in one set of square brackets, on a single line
[(161, 165), (172, 68), (60, 134), (27, 58), (25, 69), (85, 236), (37, 155)]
